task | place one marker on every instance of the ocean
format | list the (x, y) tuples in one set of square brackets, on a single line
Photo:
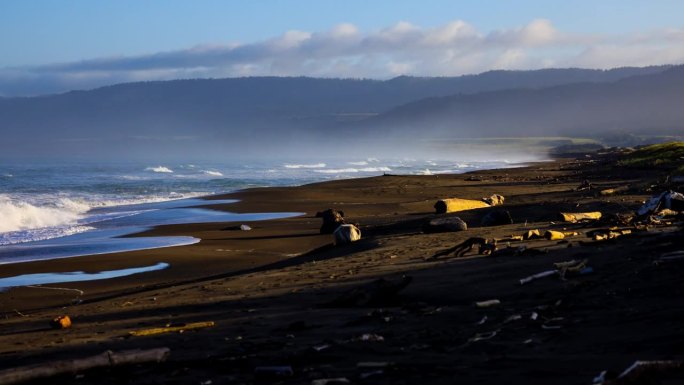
[(65, 209)]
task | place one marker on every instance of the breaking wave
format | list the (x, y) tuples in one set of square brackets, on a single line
[(315, 165), (212, 173), (19, 215), (159, 169), (354, 170)]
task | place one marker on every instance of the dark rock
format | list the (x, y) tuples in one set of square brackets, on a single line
[(445, 225), (332, 219), (497, 218)]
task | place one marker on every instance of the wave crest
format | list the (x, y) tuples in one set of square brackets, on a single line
[(354, 170), (19, 215), (315, 165), (159, 169)]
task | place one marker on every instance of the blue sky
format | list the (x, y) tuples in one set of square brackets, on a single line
[(54, 45)]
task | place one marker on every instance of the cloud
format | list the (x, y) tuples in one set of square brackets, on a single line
[(455, 48)]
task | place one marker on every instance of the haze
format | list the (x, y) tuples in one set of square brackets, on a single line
[(305, 78)]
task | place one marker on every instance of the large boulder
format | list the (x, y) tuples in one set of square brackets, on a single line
[(346, 234), (332, 219)]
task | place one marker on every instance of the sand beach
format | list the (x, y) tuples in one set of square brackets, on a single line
[(273, 293)]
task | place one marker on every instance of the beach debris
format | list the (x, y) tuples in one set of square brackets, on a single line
[(482, 321), (236, 228), (487, 303), (484, 336), (345, 234), (451, 205), (585, 185), (273, 372), (531, 234), (543, 274), (376, 293), (61, 322), (512, 318), (606, 234), (554, 235), (105, 359), (579, 217), (641, 372), (172, 328), (612, 191), (370, 337), (331, 220), (373, 373), (573, 267), (445, 225), (330, 381), (494, 200), (665, 200), (497, 218), (320, 348), (485, 247)]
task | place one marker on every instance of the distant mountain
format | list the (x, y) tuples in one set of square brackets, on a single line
[(249, 115), (649, 104)]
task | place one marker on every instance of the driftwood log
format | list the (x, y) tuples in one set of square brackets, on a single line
[(451, 205), (172, 329), (108, 358)]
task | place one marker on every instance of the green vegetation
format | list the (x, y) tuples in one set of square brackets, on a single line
[(668, 156)]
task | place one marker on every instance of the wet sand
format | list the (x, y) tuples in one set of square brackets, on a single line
[(265, 289)]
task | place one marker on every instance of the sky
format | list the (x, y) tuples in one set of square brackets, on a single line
[(54, 46)]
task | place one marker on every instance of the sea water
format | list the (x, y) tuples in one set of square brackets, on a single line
[(63, 209)]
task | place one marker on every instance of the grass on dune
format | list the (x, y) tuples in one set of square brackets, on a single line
[(666, 155)]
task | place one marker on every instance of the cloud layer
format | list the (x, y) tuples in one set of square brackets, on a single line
[(456, 48)]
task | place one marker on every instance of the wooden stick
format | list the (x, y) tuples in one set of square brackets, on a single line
[(171, 329), (108, 358)]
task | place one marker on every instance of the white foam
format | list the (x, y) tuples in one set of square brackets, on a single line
[(159, 169), (20, 215), (361, 163), (314, 165), (41, 234), (212, 173), (354, 170)]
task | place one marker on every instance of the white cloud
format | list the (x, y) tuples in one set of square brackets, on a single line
[(455, 48)]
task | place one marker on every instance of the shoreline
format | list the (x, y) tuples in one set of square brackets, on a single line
[(268, 285)]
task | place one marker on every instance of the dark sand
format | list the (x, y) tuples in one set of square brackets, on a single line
[(265, 289)]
